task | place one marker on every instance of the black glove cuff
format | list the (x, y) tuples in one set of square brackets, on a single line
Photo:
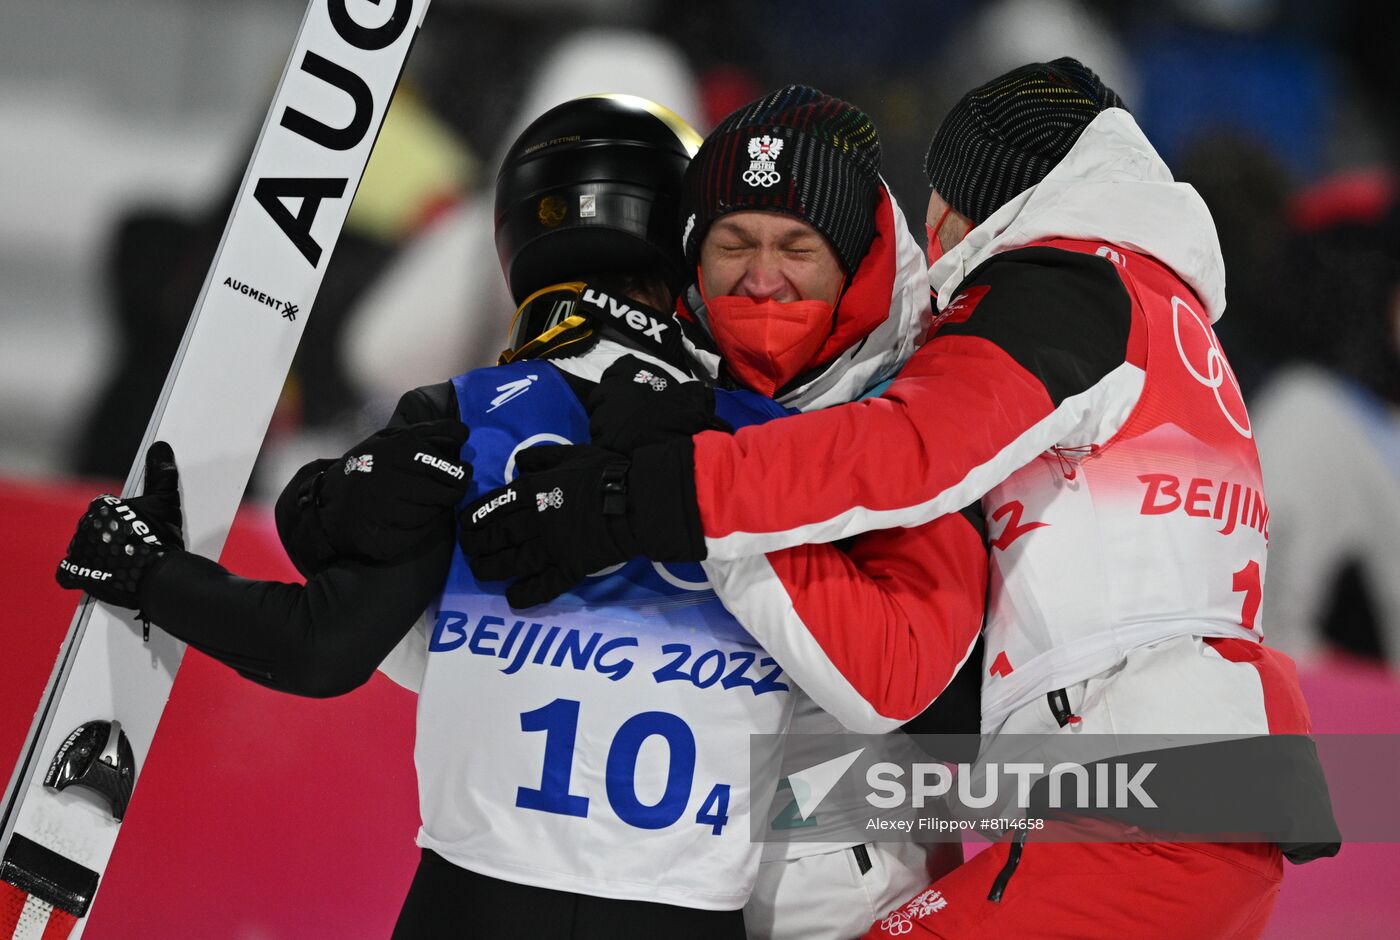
[(299, 523), (662, 509), (149, 587)]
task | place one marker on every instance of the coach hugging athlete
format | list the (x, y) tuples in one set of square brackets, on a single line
[(535, 787), (1072, 368)]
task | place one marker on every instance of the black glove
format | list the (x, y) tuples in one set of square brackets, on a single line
[(636, 404), (578, 509), (118, 542), (388, 492)]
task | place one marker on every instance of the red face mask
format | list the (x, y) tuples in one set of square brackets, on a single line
[(766, 343), (935, 247)]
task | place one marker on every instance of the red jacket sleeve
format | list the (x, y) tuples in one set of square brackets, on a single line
[(873, 635), (1039, 350)]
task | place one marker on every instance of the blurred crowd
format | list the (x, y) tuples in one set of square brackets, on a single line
[(1280, 112)]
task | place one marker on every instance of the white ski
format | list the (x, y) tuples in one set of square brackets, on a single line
[(214, 410)]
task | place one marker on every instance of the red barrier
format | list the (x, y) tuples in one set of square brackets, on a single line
[(259, 815)]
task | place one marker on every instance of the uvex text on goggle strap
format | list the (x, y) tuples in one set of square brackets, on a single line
[(555, 320)]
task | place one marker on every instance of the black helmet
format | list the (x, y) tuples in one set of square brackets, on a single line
[(593, 187)]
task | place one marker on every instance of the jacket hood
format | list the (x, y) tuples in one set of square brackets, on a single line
[(1112, 187), (882, 318)]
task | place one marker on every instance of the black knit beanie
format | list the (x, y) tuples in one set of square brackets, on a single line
[(1005, 136), (796, 151)]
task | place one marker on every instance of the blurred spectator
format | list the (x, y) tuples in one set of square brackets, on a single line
[(1329, 442), (155, 268)]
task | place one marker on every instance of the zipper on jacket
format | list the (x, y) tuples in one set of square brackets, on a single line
[(1013, 858), (1059, 707)]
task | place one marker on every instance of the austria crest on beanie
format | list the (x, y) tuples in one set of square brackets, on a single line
[(796, 151), (1005, 136)]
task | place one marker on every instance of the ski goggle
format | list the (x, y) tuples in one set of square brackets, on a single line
[(546, 321)]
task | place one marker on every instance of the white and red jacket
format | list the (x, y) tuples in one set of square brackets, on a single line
[(906, 587), (1075, 387)]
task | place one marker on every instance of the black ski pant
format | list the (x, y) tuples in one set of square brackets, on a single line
[(447, 902)]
